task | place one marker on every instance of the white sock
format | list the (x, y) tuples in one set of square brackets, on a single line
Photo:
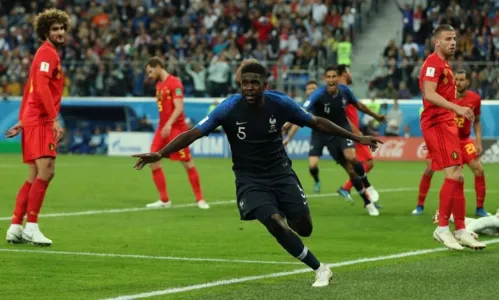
[(15, 226), (32, 227), (442, 229), (460, 232)]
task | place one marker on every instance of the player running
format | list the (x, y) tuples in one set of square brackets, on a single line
[(40, 126), (170, 100), (329, 102), (267, 187), (363, 152), (441, 136), (316, 146), (470, 152), (488, 225)]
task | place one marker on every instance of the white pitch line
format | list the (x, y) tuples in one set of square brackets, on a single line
[(280, 274), (152, 257), (133, 209)]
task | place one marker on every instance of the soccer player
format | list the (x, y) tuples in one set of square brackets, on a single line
[(488, 225), (40, 126), (440, 133), (329, 101), (316, 143), (470, 152), (363, 153), (170, 100), (267, 187)]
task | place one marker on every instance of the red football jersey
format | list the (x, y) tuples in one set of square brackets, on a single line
[(45, 71), (437, 70), (473, 101), (166, 91), (353, 115)]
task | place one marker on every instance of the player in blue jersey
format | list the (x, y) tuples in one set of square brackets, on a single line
[(329, 102), (267, 187)]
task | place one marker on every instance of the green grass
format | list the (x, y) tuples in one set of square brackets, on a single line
[(341, 233)]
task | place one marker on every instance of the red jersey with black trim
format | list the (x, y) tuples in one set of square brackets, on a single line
[(437, 70), (167, 91), (41, 105), (472, 100)]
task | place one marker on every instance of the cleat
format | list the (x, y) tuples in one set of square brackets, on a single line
[(481, 212), (447, 238), (467, 239), (160, 204), (373, 194), (345, 194), (36, 238), (372, 210), (417, 211), (15, 234), (202, 204), (377, 206), (323, 276), (317, 187)]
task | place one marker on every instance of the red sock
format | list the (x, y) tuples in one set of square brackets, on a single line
[(36, 196), (424, 186), (21, 204), (446, 200), (480, 190), (194, 180), (348, 185), (459, 206), (159, 180)]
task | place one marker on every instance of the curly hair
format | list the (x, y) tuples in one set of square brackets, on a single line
[(49, 17)]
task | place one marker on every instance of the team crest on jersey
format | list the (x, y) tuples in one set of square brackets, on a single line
[(51, 147), (454, 155), (272, 122)]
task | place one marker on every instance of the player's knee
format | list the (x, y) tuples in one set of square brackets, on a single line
[(276, 225), (188, 164), (429, 172), (46, 174), (370, 164), (478, 170), (303, 227)]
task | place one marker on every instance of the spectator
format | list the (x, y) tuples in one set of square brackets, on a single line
[(345, 51), (198, 75), (394, 117), (96, 143), (77, 144), (218, 77)]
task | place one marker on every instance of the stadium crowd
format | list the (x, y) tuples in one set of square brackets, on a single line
[(477, 24), (200, 40)]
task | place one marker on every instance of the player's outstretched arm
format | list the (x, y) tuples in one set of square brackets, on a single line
[(360, 106), (180, 142), (325, 126), (291, 133)]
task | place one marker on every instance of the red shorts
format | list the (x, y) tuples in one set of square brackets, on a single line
[(468, 150), (444, 148), (158, 143), (363, 152), (38, 142)]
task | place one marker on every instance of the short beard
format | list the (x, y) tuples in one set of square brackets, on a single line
[(56, 44)]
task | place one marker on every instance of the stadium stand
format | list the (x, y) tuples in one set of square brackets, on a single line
[(477, 23), (201, 41)]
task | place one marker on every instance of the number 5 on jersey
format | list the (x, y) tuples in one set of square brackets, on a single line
[(240, 132)]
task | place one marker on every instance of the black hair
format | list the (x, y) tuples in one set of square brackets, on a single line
[(254, 68), (341, 69), (330, 68)]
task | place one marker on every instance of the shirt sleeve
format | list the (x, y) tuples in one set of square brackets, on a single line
[(296, 114), (311, 101), (214, 119), (46, 63), (177, 90), (349, 95), (478, 107), (431, 71)]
